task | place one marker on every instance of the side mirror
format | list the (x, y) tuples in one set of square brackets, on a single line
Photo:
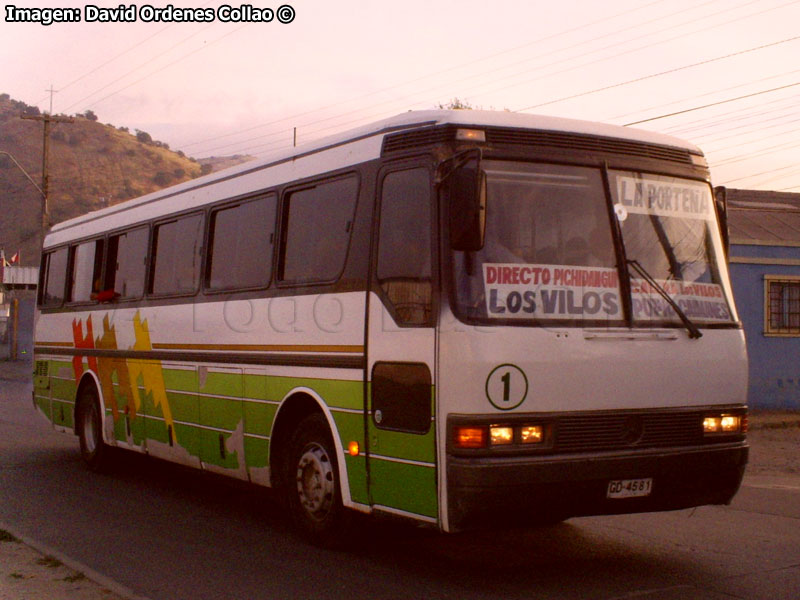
[(467, 208)]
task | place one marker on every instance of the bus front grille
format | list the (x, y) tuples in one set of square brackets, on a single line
[(621, 431)]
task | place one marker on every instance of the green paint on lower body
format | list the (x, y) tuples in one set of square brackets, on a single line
[(206, 418), (411, 488)]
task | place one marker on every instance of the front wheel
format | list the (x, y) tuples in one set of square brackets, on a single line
[(89, 428), (312, 483)]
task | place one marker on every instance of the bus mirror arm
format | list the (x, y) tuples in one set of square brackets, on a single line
[(466, 186), (721, 201)]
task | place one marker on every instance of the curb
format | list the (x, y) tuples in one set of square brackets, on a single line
[(98, 578), (788, 419)]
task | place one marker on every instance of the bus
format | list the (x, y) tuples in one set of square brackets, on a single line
[(465, 318)]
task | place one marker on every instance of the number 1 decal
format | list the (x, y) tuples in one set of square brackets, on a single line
[(506, 386)]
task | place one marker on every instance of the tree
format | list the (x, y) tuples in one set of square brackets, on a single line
[(163, 179), (144, 137), (457, 104), (89, 114)]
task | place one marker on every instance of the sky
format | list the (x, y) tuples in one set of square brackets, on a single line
[(729, 69)]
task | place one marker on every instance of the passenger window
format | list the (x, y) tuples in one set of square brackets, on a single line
[(404, 247), (126, 264), (316, 231), (86, 270), (177, 251), (240, 245), (55, 277)]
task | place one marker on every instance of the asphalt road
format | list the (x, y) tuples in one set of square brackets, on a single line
[(170, 533)]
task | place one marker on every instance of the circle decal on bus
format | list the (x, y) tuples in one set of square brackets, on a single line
[(506, 386)]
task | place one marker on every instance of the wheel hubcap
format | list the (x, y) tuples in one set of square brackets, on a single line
[(315, 481)]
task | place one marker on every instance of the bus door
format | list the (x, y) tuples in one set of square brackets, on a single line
[(401, 444)]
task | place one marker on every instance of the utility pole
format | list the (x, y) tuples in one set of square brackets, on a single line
[(52, 91), (46, 119)]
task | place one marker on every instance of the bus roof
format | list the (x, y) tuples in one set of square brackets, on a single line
[(374, 132)]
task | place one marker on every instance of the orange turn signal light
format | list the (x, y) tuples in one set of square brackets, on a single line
[(352, 448)]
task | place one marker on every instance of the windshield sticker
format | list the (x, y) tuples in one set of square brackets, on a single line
[(700, 301), (683, 199), (529, 291), (532, 291)]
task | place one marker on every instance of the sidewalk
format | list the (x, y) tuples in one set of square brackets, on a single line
[(31, 571), (16, 370), (28, 574)]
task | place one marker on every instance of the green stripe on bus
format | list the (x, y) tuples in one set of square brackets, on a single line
[(256, 452), (422, 480)]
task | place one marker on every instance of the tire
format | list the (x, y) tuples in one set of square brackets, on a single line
[(89, 427), (312, 486)]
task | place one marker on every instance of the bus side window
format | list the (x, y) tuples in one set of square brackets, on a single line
[(404, 246), (177, 252), (240, 245), (55, 277), (317, 223), (85, 270), (126, 262)]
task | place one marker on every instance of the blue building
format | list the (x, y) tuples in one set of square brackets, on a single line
[(764, 230)]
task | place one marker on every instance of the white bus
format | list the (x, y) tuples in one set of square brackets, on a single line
[(465, 318)]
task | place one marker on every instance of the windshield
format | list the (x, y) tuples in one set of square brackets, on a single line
[(669, 228), (549, 252)]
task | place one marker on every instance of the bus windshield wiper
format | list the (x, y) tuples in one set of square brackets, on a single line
[(694, 332)]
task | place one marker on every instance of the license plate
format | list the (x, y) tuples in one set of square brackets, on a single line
[(629, 488)]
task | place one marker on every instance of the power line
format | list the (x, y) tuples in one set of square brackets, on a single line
[(667, 72), (680, 112), (395, 100), (469, 64), (711, 93), (762, 152), (650, 45), (759, 127), (120, 55), (121, 77), (724, 118)]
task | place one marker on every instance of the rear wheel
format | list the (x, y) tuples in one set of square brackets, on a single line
[(312, 485), (94, 450)]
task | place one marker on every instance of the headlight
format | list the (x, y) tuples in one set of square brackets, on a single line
[(724, 424), (531, 434), (501, 435), (506, 436)]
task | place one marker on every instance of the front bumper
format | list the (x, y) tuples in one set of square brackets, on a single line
[(491, 491)]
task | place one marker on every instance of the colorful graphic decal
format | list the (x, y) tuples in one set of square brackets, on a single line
[(128, 372)]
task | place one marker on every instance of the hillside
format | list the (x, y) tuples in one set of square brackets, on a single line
[(91, 165)]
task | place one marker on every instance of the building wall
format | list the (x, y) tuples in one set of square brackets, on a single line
[(774, 360)]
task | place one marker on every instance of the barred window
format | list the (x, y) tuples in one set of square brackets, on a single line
[(783, 306)]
